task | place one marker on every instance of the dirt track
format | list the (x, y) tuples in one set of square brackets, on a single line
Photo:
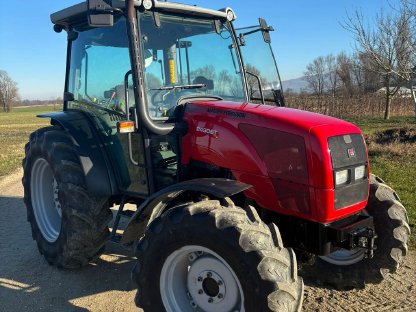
[(28, 283)]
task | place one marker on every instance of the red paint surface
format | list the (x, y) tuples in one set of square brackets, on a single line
[(230, 148)]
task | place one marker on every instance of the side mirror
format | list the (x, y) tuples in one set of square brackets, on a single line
[(265, 29), (100, 13)]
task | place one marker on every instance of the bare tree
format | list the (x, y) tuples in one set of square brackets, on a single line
[(315, 75), (252, 82), (371, 79), (332, 77), (388, 49), (8, 91), (344, 70), (408, 9), (224, 81)]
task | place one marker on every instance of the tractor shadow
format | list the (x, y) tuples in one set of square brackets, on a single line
[(28, 283)]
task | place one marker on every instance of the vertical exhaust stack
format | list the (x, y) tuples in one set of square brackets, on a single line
[(136, 58)]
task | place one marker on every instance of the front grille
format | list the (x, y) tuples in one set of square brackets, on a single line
[(340, 146), (347, 153)]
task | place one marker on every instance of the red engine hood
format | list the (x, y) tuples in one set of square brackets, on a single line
[(281, 115), (270, 148), (315, 129)]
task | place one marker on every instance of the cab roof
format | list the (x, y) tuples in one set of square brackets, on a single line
[(78, 13)]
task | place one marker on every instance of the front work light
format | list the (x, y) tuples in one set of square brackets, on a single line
[(147, 4), (230, 15), (341, 177), (359, 172)]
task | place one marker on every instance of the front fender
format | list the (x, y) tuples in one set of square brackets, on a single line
[(98, 172), (155, 205)]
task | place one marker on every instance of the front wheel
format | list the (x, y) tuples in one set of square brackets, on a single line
[(347, 269), (207, 257)]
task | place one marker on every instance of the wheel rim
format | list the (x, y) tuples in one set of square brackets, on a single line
[(345, 257), (195, 278), (45, 203)]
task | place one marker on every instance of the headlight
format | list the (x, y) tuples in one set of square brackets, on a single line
[(230, 15), (147, 4), (341, 177), (359, 172)]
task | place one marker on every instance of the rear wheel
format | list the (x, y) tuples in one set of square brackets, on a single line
[(347, 269), (70, 225), (207, 257)]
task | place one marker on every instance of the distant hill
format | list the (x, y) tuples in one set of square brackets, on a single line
[(296, 85)]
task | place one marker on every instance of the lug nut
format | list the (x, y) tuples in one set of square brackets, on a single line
[(219, 283), (210, 300), (200, 291), (209, 274), (220, 296), (199, 279)]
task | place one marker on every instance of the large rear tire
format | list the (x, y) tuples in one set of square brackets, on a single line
[(207, 257), (345, 269), (69, 225)]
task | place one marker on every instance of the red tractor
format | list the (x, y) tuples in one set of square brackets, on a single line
[(169, 107)]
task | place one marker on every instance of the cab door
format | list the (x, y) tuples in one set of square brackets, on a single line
[(96, 81)]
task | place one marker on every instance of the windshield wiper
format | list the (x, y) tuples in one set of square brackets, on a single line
[(187, 86)]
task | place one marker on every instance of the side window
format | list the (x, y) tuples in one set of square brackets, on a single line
[(100, 60), (259, 61)]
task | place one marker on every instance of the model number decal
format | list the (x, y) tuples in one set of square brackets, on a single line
[(207, 131), (226, 112)]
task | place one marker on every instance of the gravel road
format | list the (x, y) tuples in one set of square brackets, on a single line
[(28, 283)]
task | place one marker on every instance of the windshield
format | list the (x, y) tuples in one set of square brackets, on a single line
[(187, 57), (259, 60)]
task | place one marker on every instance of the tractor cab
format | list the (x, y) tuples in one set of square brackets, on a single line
[(182, 54)]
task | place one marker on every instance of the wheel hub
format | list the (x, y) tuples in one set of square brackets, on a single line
[(214, 289), (211, 287), (195, 278)]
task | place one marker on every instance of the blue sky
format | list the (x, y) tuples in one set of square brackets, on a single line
[(34, 55)]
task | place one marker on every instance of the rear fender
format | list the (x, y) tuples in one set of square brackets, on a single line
[(98, 172), (155, 205)]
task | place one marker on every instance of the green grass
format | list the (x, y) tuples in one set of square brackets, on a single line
[(15, 128), (394, 163)]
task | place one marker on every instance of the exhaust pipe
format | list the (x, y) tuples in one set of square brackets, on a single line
[(136, 59)]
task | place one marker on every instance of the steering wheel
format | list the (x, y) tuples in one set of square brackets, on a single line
[(157, 104)]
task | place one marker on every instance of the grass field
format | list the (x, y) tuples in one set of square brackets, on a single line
[(15, 128), (393, 159)]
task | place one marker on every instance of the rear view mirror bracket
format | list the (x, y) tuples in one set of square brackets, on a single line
[(264, 28)]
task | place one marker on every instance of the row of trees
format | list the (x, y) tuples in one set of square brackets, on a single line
[(8, 91), (342, 75), (385, 56)]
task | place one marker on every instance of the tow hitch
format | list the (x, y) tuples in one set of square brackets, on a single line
[(363, 238), (355, 233)]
